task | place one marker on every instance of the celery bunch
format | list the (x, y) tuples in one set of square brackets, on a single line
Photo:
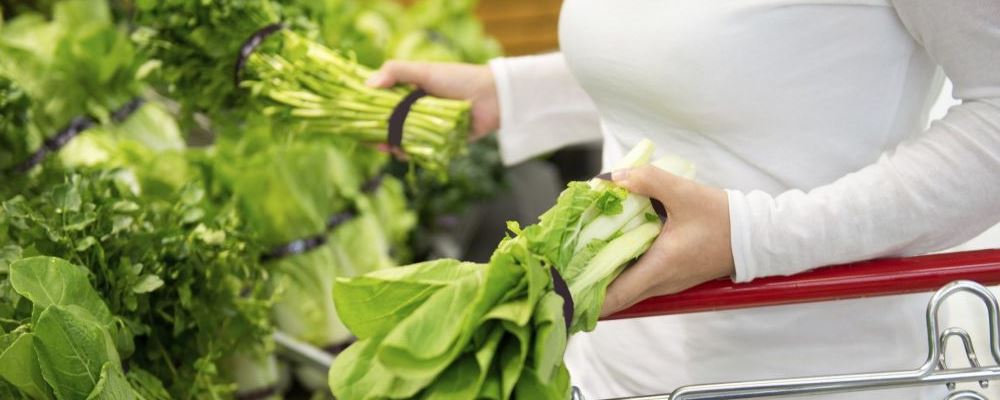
[(310, 84)]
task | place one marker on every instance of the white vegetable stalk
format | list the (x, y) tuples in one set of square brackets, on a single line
[(629, 232)]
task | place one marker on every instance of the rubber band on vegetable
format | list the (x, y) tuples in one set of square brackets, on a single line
[(250, 46), (371, 185), (562, 289), (75, 127), (54, 143), (305, 245), (258, 394), (339, 347), (294, 248), (661, 211), (125, 111), (339, 219), (398, 119)]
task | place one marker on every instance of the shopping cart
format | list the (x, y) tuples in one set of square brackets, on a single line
[(949, 274)]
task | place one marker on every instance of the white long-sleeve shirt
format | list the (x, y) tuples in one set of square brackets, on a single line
[(811, 113)]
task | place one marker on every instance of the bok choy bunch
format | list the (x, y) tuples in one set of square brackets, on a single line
[(451, 330)]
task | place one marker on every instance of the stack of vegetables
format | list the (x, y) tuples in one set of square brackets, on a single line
[(194, 255), (179, 285), (451, 330)]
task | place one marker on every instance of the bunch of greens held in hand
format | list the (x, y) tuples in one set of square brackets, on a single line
[(427, 30), (446, 329), (288, 76)]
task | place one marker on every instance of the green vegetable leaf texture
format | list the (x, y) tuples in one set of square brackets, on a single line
[(47, 281), (19, 366), (72, 349), (112, 385)]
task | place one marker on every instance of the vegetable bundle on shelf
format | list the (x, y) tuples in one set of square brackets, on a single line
[(451, 330), (203, 220)]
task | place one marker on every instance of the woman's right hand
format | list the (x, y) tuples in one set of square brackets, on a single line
[(449, 80)]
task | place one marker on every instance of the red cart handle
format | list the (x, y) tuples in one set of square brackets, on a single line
[(862, 279)]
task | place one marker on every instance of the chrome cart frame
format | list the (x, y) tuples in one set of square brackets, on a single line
[(934, 371)]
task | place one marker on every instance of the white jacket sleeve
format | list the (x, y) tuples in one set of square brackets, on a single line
[(542, 107), (935, 191)]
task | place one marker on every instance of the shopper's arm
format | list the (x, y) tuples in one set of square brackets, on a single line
[(930, 193), (534, 101)]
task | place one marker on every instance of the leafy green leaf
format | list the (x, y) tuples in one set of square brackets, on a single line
[(148, 284), (19, 366), (72, 349), (112, 385), (49, 281)]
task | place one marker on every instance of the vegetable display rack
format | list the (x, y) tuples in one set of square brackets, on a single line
[(952, 273), (947, 273)]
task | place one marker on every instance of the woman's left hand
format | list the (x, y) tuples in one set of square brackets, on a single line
[(692, 248)]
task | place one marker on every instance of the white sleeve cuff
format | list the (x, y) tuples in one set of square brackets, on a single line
[(740, 233)]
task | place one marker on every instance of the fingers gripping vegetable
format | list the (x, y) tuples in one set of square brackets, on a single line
[(311, 84), (447, 329)]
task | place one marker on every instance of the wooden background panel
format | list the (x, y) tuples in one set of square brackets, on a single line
[(521, 26)]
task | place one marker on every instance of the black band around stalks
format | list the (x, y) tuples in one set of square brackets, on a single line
[(339, 219), (661, 211), (125, 111), (398, 118), (54, 143), (250, 45), (339, 347), (562, 289), (294, 248), (305, 245), (75, 127), (371, 185)]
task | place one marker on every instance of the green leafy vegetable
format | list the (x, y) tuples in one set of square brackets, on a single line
[(77, 64), (176, 274), (298, 79), (451, 330), (291, 193), (65, 349)]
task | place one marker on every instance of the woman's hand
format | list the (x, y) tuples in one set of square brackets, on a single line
[(448, 80), (692, 248)]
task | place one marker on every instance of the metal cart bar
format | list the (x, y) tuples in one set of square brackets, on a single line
[(863, 279), (934, 371), (302, 353)]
